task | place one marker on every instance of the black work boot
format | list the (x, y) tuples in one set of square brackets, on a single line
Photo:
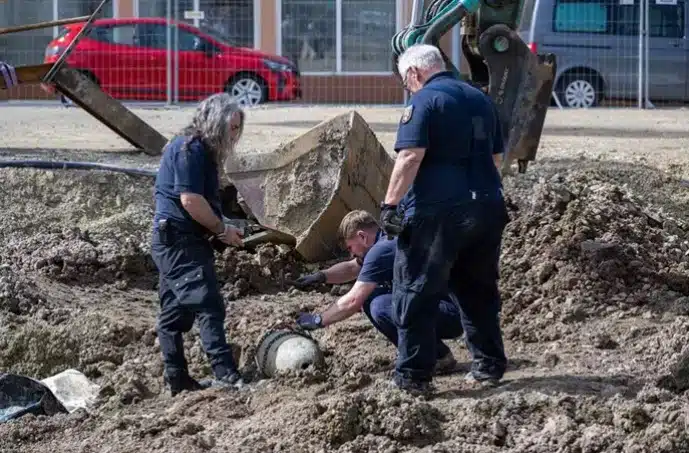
[(414, 388), (482, 380), (446, 364), (231, 380), (181, 382)]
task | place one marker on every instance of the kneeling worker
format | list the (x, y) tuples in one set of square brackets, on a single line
[(372, 268)]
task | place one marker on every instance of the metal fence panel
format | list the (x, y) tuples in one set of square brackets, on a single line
[(338, 51)]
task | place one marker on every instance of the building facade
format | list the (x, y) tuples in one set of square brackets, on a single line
[(342, 47)]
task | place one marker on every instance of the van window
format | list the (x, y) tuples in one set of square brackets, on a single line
[(603, 16), (581, 17), (665, 21)]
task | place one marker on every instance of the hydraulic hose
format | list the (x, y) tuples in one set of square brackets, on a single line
[(440, 17), (68, 165)]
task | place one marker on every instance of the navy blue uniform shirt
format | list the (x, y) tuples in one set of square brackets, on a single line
[(459, 127), (189, 170), (379, 262)]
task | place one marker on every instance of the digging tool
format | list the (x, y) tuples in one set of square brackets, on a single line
[(86, 93), (268, 235)]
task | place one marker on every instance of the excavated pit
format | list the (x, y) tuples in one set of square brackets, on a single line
[(595, 315)]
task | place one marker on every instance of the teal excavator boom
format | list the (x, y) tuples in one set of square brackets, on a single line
[(518, 81)]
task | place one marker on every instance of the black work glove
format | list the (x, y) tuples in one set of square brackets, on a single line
[(390, 220), (311, 279), (218, 245), (310, 321)]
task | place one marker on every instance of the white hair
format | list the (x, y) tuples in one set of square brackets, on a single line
[(422, 56)]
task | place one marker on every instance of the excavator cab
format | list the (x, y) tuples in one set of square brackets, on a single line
[(518, 81)]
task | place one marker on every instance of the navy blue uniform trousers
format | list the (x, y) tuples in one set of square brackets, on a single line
[(189, 291), (456, 250), (378, 309)]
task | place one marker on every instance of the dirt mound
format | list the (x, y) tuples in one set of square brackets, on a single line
[(595, 315), (579, 246), (267, 269), (71, 256), (93, 228), (17, 295)]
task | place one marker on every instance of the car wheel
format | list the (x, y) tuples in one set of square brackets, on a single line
[(248, 90), (580, 91)]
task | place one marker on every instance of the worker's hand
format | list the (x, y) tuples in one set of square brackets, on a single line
[(390, 220), (231, 236), (309, 321), (310, 279)]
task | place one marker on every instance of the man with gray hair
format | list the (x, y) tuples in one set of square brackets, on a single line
[(187, 217), (450, 228)]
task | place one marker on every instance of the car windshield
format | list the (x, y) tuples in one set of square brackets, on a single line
[(217, 35)]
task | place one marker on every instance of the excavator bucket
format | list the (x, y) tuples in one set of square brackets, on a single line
[(305, 188), (521, 84)]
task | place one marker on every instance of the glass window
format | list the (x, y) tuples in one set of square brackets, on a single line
[(157, 8), (665, 21), (308, 34), (153, 36), (119, 34), (581, 17), (367, 28), (229, 21), (75, 8), (124, 35), (189, 41), (27, 47)]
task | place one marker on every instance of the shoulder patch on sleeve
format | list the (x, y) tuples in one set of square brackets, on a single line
[(406, 115)]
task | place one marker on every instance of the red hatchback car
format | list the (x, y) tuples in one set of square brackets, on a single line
[(128, 59)]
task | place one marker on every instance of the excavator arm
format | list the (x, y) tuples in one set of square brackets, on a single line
[(500, 63)]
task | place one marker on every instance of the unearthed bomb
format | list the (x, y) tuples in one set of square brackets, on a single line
[(287, 350), (307, 186)]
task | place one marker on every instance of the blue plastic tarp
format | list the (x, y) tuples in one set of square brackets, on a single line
[(21, 395)]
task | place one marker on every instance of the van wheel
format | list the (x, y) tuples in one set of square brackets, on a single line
[(580, 91), (247, 89)]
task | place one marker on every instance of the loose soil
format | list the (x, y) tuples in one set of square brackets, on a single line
[(595, 316)]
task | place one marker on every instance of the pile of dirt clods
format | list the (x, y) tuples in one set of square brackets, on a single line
[(595, 316)]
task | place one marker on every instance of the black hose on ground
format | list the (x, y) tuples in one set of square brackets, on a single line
[(67, 165)]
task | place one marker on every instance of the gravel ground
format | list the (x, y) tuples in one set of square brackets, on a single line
[(658, 137), (595, 286)]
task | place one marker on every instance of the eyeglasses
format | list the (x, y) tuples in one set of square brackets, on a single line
[(405, 79)]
